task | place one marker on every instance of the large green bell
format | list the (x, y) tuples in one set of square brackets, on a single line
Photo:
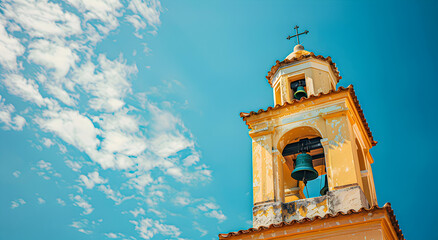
[(304, 170), (300, 92), (324, 189)]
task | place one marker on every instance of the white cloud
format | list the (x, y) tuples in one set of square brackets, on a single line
[(207, 206), (138, 211), (168, 131), (136, 21), (72, 127), (211, 209), (182, 201), (75, 166), (191, 159), (169, 143), (116, 196), (16, 174), (16, 123), (139, 182), (17, 203), (107, 82), (41, 200), (27, 89), (56, 89), (148, 228), (217, 214), (52, 55), (13, 27), (82, 226), (119, 142), (112, 235), (62, 148), (48, 142), (41, 18), (149, 10), (104, 11), (45, 170), (60, 201), (158, 213), (10, 49), (92, 179), (77, 130), (200, 229), (43, 165), (82, 203)]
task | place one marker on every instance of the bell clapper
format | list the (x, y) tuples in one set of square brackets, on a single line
[(305, 184)]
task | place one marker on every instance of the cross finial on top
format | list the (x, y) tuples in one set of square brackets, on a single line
[(297, 35)]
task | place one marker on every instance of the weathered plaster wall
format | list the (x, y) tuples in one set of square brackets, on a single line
[(342, 163), (341, 200), (263, 174)]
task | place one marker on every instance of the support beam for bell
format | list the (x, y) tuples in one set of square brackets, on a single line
[(304, 144)]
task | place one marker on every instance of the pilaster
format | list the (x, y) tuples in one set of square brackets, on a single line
[(340, 158)]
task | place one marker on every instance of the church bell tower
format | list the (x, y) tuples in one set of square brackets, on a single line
[(316, 131)]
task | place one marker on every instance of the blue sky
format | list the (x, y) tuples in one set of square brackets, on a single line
[(120, 119)]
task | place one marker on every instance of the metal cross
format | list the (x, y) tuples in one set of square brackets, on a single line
[(297, 35)]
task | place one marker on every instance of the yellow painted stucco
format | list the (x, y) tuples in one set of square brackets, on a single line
[(360, 226)]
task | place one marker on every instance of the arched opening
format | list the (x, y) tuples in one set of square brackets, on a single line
[(305, 141)]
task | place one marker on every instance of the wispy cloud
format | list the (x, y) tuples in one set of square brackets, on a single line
[(24, 88), (6, 116), (138, 211), (41, 200), (200, 229), (82, 203), (211, 209), (148, 228), (47, 142), (114, 235), (11, 48), (45, 170), (75, 166), (16, 174), (17, 203), (82, 226), (40, 18), (60, 201), (92, 179), (116, 196)]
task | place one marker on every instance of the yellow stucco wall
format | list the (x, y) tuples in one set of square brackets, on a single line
[(365, 225)]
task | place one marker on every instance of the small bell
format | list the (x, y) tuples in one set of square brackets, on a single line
[(304, 170), (324, 189), (300, 92)]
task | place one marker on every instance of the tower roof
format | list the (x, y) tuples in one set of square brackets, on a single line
[(386, 208), (299, 54)]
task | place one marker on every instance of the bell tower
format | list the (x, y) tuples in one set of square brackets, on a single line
[(314, 131)]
